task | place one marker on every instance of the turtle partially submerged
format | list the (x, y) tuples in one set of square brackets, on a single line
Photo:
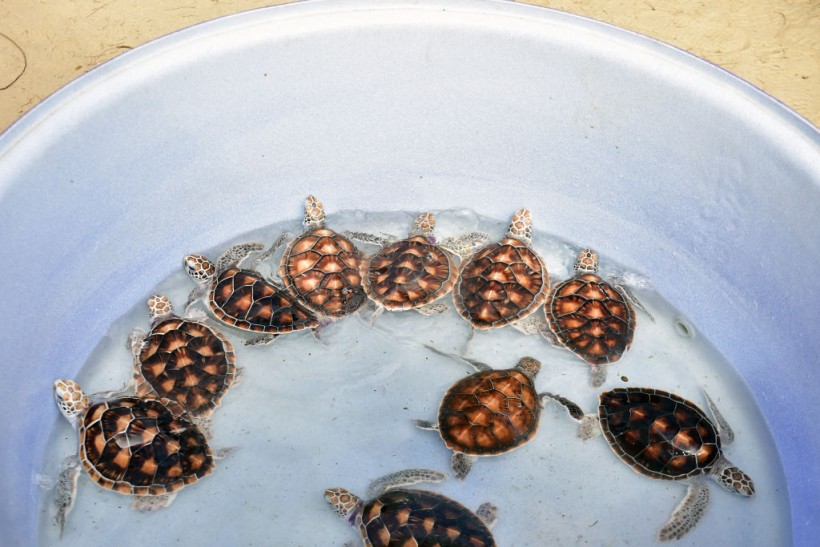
[(415, 272), (664, 436), (401, 516), (504, 282), (492, 412), (243, 298), (591, 317), (142, 447), (182, 359), (321, 267)]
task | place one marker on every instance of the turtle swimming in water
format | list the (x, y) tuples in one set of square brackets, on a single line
[(142, 447), (243, 298), (492, 412), (395, 515), (182, 359), (664, 436), (591, 317), (415, 272), (504, 282)]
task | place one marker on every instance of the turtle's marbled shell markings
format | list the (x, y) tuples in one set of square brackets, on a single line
[(502, 283), (138, 447), (188, 362), (489, 413), (418, 517), (658, 434), (591, 318), (322, 268), (408, 274), (242, 298)]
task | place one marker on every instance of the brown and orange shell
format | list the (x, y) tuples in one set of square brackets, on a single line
[(501, 284), (657, 433), (591, 318), (322, 269), (408, 274), (139, 447), (489, 412)]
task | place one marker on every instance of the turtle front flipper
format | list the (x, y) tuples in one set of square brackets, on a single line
[(727, 436), (66, 490), (465, 245), (574, 410), (688, 513), (235, 254), (405, 477), (281, 240)]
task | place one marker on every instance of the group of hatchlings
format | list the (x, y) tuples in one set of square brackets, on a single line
[(152, 443)]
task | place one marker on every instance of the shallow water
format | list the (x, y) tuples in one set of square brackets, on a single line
[(314, 413)]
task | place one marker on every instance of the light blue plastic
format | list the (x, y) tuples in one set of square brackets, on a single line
[(675, 167)]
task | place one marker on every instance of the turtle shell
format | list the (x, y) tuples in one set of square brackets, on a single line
[(417, 517), (489, 413), (188, 362), (243, 299), (500, 284), (658, 434), (322, 269), (408, 274), (139, 447), (591, 318)]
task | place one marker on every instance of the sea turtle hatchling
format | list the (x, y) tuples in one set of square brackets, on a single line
[(243, 298), (395, 515), (415, 272), (182, 359), (321, 267), (142, 447), (664, 436), (590, 317), (504, 282), (492, 412)]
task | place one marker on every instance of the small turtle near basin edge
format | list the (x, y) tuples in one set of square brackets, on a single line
[(416, 272), (243, 298), (492, 412), (664, 436), (591, 317), (146, 448), (402, 516), (182, 359)]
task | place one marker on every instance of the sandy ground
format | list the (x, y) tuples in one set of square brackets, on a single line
[(774, 44)]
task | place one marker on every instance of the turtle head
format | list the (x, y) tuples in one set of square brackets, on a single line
[(159, 307), (199, 268), (521, 226), (587, 262), (70, 399), (345, 504), (424, 226), (314, 212), (733, 479), (529, 366)]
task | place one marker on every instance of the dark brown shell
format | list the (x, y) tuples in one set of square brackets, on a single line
[(490, 412), (591, 318), (188, 362), (322, 269), (408, 274), (137, 446), (399, 517), (658, 434), (500, 284), (243, 299)]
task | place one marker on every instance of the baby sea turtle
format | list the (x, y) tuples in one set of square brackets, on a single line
[(142, 447), (492, 412), (415, 272), (243, 298), (400, 516), (182, 359), (590, 317), (504, 282), (664, 436), (321, 267)]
